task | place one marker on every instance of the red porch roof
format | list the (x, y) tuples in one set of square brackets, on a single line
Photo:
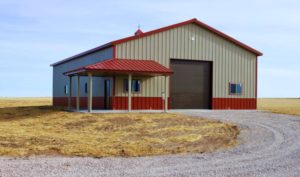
[(148, 67)]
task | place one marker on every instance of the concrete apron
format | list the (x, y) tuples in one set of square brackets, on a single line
[(95, 111), (141, 111)]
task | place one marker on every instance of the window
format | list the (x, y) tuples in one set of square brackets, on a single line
[(135, 85), (235, 88), (66, 89), (85, 87), (125, 85)]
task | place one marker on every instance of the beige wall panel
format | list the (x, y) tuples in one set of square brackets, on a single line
[(231, 63)]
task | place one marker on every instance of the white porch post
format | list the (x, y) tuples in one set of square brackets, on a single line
[(70, 92), (129, 92), (90, 92), (166, 93), (78, 94)]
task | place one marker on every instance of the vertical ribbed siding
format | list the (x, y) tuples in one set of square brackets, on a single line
[(60, 80), (231, 63)]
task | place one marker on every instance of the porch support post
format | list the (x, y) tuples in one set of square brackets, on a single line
[(90, 92), (166, 93), (129, 92), (70, 92), (78, 94)]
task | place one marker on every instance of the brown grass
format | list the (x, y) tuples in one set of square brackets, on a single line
[(280, 105), (39, 130), (19, 102)]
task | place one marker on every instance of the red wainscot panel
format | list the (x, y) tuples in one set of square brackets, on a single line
[(60, 101), (98, 102), (234, 103), (118, 103), (155, 103)]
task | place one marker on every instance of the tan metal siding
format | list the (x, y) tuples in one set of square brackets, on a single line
[(231, 63)]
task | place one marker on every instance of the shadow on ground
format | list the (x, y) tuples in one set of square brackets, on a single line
[(16, 113)]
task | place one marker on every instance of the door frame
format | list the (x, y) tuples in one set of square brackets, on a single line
[(211, 81)]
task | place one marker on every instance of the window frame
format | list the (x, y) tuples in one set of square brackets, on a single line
[(235, 83), (125, 85), (136, 81)]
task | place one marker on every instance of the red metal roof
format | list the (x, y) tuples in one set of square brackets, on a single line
[(194, 20), (197, 22), (83, 53), (125, 66)]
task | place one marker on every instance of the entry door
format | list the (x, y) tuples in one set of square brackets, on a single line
[(191, 84), (107, 104)]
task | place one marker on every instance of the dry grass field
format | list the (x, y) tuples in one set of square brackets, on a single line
[(20, 102), (33, 127), (280, 105)]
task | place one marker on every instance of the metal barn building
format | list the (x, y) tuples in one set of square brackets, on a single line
[(188, 65)]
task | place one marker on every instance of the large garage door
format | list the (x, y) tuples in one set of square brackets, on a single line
[(191, 84)]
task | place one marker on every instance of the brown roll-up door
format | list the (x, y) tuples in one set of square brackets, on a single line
[(191, 84)]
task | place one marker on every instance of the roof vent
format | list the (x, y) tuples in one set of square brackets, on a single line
[(138, 32)]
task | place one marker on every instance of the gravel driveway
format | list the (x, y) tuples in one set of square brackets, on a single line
[(269, 146)]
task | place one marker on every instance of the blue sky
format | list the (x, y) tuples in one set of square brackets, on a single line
[(34, 34)]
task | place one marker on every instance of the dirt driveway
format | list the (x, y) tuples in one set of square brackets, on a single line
[(269, 146)]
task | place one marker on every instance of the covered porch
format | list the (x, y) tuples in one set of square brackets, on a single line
[(126, 68)]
